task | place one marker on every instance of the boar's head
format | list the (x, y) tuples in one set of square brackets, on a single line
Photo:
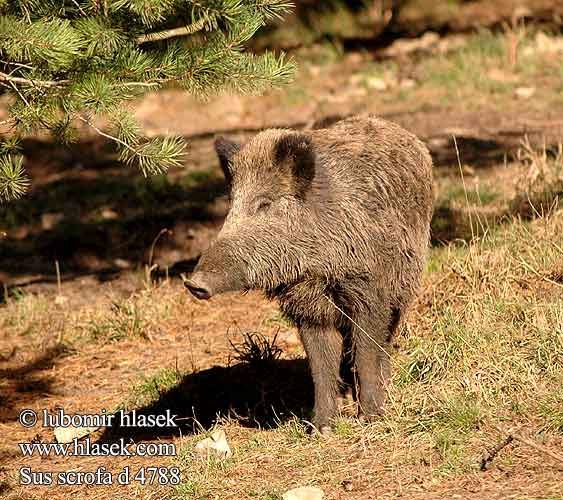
[(263, 243)]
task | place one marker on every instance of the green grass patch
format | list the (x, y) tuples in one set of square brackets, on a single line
[(471, 196), (278, 319), (551, 409), (125, 321), (150, 389), (467, 67), (344, 427), (484, 65)]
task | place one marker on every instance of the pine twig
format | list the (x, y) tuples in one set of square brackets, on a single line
[(190, 29), (107, 136), (34, 83), (18, 65), (139, 84), (537, 446), (79, 8), (11, 80)]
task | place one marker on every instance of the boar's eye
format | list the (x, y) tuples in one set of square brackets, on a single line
[(263, 205)]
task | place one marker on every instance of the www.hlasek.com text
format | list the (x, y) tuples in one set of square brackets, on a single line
[(85, 448)]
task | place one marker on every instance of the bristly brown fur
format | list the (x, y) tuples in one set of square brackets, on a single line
[(335, 223)]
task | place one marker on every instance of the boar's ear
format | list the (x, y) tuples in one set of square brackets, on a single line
[(296, 151), (226, 149)]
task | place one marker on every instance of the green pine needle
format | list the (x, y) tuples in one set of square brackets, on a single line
[(99, 37), (150, 12), (155, 156), (10, 146), (51, 43), (13, 179)]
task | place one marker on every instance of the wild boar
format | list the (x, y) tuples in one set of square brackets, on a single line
[(335, 224)]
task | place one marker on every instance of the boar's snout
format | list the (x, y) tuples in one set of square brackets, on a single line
[(219, 270), (204, 284), (200, 285)]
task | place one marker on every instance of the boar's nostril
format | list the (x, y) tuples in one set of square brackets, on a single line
[(198, 291)]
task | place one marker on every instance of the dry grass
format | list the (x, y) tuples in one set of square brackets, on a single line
[(539, 190), (529, 187)]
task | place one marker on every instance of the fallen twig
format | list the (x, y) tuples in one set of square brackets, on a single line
[(514, 436), (537, 446), (493, 452)]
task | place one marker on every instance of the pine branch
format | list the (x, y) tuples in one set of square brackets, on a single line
[(107, 136), (153, 156), (34, 83), (70, 60), (63, 83)]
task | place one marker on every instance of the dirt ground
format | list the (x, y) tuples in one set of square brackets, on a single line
[(113, 328)]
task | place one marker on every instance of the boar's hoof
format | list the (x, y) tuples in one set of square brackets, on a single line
[(320, 429), (198, 290), (367, 418), (325, 430)]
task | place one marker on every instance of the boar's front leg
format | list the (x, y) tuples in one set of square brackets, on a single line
[(372, 334), (323, 346)]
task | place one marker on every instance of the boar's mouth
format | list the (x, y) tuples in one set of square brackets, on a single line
[(204, 284), (199, 292)]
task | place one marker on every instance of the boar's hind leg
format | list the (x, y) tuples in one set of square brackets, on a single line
[(372, 336), (323, 346)]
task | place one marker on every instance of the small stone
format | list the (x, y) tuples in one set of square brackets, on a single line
[(50, 220), (122, 263), (355, 58), (315, 70), (347, 485), (69, 434), (499, 75), (216, 445), (304, 493), (325, 430), (525, 92), (407, 83), (356, 79), (376, 83), (521, 11), (357, 92), (546, 43), (468, 170), (109, 214), (406, 46), (438, 142)]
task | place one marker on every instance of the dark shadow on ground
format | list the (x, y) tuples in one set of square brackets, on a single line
[(256, 395), (475, 151), (95, 217), (24, 384)]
